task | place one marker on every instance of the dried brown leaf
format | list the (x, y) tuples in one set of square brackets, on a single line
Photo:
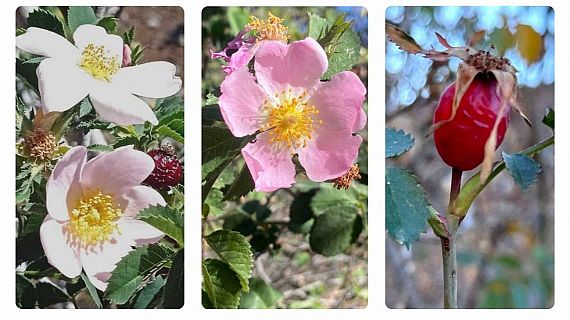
[(476, 37), (442, 40), (403, 40)]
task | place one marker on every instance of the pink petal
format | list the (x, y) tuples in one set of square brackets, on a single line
[(241, 102), (140, 231), (98, 262), (117, 172), (58, 252), (63, 189), (241, 58), (270, 167), (279, 66), (339, 102), (329, 154), (141, 197)]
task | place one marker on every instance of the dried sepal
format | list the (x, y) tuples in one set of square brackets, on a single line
[(506, 90), (44, 120), (465, 76), (403, 40)]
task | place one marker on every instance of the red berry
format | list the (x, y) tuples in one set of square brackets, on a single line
[(167, 169), (461, 142)]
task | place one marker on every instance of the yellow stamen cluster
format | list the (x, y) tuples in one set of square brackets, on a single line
[(344, 181), (96, 61), (270, 29), (290, 121), (94, 220), (39, 144)]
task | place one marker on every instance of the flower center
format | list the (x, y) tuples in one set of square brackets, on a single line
[(96, 61), (40, 144), (270, 29), (290, 121), (94, 219)]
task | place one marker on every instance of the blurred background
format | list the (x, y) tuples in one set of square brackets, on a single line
[(506, 243), (299, 277)]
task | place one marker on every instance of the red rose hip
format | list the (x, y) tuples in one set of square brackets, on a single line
[(461, 141), (167, 169)]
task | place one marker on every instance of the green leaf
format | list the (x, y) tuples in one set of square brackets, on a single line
[(109, 23), (25, 294), (77, 16), (233, 249), (166, 220), (167, 132), (100, 148), (214, 201), (149, 292), (166, 119), (211, 99), (241, 186), (523, 169), (35, 218), (133, 269), (237, 18), (210, 114), (221, 284), (329, 197), (85, 107), (300, 213), (239, 221), (335, 230), (174, 288), (92, 290), (261, 295), (398, 142), (407, 208), (549, 118), (339, 41), (129, 36), (34, 60), (27, 73), (41, 18)]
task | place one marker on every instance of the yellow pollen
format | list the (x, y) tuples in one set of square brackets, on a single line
[(290, 122), (97, 62), (94, 220), (270, 29)]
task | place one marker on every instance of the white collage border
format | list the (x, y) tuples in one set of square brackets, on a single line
[(376, 235)]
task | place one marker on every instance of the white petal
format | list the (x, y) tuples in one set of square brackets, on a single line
[(153, 80), (63, 186), (46, 43), (99, 262), (62, 84), (141, 197), (56, 248), (140, 231), (121, 107), (91, 34)]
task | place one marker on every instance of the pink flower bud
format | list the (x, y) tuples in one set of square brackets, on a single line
[(126, 56)]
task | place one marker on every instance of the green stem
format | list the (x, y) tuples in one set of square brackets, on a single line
[(448, 245)]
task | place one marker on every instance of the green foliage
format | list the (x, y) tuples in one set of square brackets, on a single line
[(149, 293), (166, 220), (398, 142), (133, 269), (523, 169), (238, 18), (549, 118), (109, 23), (335, 229), (301, 213), (241, 185), (339, 41), (27, 73), (221, 284), (234, 250), (92, 290), (174, 288), (260, 296), (77, 16), (41, 18), (406, 206)]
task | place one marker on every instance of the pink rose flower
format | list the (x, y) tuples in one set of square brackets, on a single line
[(255, 33), (295, 113), (92, 211)]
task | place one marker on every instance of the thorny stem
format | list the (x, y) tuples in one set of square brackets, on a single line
[(448, 253)]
